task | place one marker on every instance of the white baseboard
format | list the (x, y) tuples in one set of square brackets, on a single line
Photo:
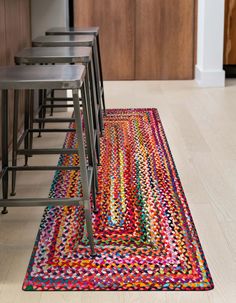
[(213, 78)]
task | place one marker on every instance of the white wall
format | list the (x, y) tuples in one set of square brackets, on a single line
[(210, 43), (46, 14)]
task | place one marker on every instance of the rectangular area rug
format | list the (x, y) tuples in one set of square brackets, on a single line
[(144, 233)]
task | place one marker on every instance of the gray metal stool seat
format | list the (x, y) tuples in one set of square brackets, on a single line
[(73, 41), (90, 30), (30, 78), (63, 55), (85, 31)]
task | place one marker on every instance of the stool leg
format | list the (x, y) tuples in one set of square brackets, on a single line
[(101, 75), (26, 125), (94, 195), (40, 109), (52, 96), (14, 143), (52, 102), (83, 169), (95, 110), (88, 218), (44, 108), (4, 211), (89, 122), (93, 64), (96, 96), (31, 109), (5, 146), (89, 128)]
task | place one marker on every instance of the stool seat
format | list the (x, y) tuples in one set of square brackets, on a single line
[(94, 30), (37, 55), (42, 77), (69, 40)]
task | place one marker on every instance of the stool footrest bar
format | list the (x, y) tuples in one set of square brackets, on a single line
[(48, 151), (42, 168), (51, 130), (54, 120), (40, 202), (26, 202), (58, 106), (59, 99)]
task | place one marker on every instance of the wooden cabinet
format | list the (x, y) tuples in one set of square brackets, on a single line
[(164, 39), (2, 34), (230, 33), (142, 39), (117, 33)]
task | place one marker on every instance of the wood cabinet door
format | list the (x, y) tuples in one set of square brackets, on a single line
[(2, 58), (230, 32), (2, 34), (18, 32), (142, 39), (117, 33), (164, 39)]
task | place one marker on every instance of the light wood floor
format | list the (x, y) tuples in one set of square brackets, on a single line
[(201, 129)]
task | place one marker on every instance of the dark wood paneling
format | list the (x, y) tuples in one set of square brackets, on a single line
[(142, 39), (2, 34), (2, 52), (24, 40), (12, 22), (25, 24), (164, 39), (15, 35), (17, 27), (117, 35), (12, 29), (230, 32)]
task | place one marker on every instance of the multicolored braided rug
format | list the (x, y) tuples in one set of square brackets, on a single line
[(144, 233)]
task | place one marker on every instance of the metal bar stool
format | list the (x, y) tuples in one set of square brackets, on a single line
[(84, 31), (32, 78), (73, 41), (63, 55)]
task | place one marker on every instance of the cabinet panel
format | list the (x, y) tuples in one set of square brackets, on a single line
[(15, 32), (142, 39), (2, 34), (2, 54), (116, 20), (164, 39)]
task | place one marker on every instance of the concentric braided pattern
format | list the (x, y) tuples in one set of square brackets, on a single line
[(144, 234)]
